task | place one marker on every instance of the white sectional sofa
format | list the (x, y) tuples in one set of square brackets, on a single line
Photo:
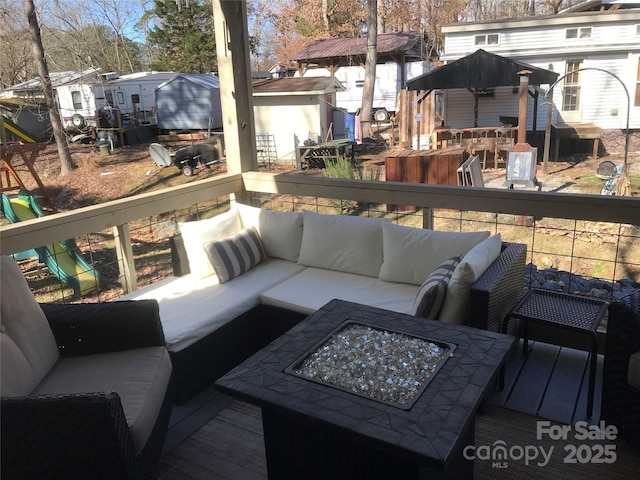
[(244, 277)]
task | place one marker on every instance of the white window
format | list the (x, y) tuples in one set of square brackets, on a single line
[(637, 100), (487, 39), (571, 90), (76, 98), (575, 33), (120, 96), (359, 83)]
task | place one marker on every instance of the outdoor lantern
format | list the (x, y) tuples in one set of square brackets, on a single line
[(521, 166)]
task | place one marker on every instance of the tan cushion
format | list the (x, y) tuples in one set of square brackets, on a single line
[(139, 376), (28, 346), (633, 374)]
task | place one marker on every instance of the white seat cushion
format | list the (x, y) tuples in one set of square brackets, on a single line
[(139, 376), (309, 290), (191, 307)]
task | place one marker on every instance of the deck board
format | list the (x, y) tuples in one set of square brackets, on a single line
[(581, 406), (527, 393), (564, 386)]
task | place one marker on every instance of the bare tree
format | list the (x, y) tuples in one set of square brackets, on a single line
[(370, 68), (16, 64), (66, 162)]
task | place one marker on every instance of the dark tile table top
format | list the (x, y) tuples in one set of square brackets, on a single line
[(429, 430)]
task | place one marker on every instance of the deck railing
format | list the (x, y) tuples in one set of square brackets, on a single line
[(517, 215)]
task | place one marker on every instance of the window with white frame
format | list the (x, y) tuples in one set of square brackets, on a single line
[(637, 100), (359, 83), (486, 39), (571, 90), (76, 98), (578, 33)]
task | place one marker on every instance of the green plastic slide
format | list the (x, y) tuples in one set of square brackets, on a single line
[(62, 258)]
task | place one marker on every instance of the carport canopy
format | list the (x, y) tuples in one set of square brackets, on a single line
[(480, 70)]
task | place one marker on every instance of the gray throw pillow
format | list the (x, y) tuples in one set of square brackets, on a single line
[(235, 255), (430, 297)]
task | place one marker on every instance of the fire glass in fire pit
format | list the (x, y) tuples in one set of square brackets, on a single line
[(383, 365)]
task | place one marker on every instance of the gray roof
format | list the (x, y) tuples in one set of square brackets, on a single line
[(206, 80), (57, 79)]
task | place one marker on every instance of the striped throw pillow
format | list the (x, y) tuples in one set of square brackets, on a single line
[(431, 295), (235, 255)]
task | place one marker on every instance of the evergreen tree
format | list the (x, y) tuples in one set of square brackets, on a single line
[(183, 39)]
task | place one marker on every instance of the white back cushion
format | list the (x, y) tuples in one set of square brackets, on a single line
[(411, 254), (342, 243), (196, 234), (280, 232), (29, 349), (456, 302)]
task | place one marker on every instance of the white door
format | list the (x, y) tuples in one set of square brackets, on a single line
[(570, 111)]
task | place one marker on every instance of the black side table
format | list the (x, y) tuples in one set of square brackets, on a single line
[(570, 312)]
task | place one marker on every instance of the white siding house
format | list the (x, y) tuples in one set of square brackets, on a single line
[(604, 40)]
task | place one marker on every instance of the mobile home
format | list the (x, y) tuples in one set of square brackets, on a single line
[(132, 94)]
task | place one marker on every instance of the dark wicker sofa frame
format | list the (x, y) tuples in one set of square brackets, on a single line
[(621, 401), (83, 436), (492, 296)]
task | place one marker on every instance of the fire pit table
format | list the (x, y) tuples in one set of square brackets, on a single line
[(358, 392)]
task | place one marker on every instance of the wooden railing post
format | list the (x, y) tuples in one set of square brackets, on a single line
[(427, 218), (124, 254)]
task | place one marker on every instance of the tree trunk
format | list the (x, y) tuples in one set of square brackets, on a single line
[(66, 163), (325, 15), (366, 113)]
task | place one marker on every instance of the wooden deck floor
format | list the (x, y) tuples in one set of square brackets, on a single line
[(550, 382)]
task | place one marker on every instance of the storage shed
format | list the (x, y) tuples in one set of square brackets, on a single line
[(293, 108), (189, 102)]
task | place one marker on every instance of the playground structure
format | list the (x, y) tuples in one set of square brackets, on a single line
[(63, 259), (16, 131)]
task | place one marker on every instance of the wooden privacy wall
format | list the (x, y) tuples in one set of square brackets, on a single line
[(435, 167), (408, 107)]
